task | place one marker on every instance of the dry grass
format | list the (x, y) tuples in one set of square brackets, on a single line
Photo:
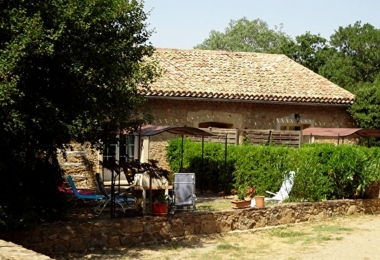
[(213, 202), (205, 202)]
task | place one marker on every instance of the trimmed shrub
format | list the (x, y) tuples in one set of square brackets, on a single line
[(212, 173), (323, 171)]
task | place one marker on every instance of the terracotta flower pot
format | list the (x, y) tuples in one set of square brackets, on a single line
[(240, 204), (260, 202)]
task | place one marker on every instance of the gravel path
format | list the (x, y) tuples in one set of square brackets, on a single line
[(362, 243)]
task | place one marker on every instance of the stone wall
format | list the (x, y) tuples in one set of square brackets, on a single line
[(245, 114), (241, 115), (157, 148), (82, 161), (75, 236), (334, 140)]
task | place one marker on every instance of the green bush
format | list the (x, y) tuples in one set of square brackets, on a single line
[(326, 171), (29, 193), (212, 174), (323, 171), (262, 167)]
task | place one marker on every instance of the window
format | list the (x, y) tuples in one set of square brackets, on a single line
[(122, 150)]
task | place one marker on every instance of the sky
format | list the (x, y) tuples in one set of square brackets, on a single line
[(183, 24)]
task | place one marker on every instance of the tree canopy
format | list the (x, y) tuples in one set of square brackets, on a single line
[(66, 69), (308, 50), (366, 109), (355, 66), (350, 59), (357, 56), (247, 36)]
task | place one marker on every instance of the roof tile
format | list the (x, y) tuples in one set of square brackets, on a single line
[(242, 76)]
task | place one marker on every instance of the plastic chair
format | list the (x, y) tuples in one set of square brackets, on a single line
[(285, 189)]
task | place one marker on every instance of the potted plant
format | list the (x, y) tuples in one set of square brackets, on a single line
[(160, 206), (242, 201), (257, 200)]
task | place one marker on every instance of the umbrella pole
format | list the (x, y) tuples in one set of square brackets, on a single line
[(139, 149), (225, 162), (150, 195), (112, 210), (180, 170), (201, 182)]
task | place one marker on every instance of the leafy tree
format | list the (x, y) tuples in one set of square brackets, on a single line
[(309, 50), (357, 58), (355, 66), (67, 68), (247, 36), (366, 109)]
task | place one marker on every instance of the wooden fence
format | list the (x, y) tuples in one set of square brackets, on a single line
[(278, 137), (253, 136), (221, 134)]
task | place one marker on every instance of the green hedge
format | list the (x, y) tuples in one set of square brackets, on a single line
[(323, 171), (215, 177)]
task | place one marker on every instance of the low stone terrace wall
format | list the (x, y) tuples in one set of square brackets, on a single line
[(75, 236)]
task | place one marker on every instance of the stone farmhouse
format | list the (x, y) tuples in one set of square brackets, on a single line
[(242, 90), (237, 90)]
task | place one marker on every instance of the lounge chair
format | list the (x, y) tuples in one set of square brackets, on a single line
[(285, 189), (63, 189), (83, 197), (120, 200)]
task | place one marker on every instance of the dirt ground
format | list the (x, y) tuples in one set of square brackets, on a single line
[(353, 237)]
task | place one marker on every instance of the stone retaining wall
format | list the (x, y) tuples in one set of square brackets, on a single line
[(71, 237)]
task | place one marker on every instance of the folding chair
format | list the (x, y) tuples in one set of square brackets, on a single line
[(184, 191), (120, 200)]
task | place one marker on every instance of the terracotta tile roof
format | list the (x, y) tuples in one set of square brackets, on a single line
[(242, 76)]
